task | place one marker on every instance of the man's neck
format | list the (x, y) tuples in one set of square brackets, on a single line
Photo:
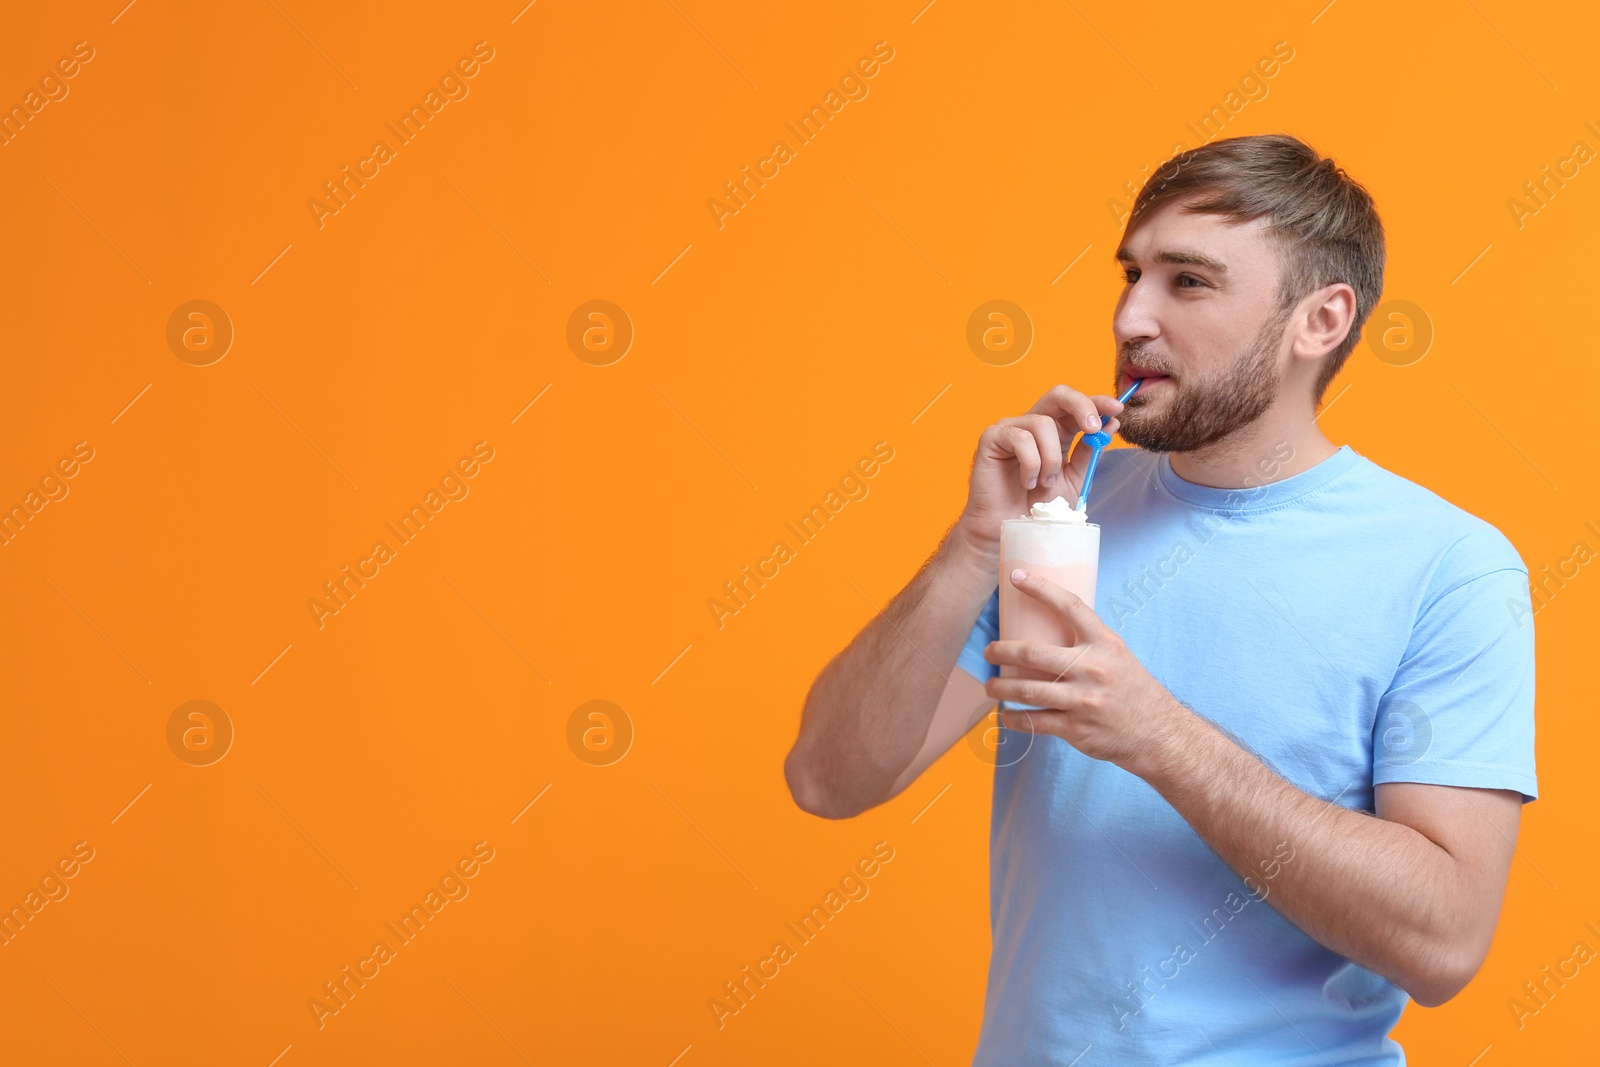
[(1276, 446)]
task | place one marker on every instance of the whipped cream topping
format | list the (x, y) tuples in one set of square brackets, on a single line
[(1057, 510)]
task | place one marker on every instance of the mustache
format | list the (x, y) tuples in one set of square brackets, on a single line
[(1138, 359)]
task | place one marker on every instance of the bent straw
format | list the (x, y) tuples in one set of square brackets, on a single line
[(1097, 441)]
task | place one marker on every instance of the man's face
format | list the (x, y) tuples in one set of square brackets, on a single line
[(1198, 320)]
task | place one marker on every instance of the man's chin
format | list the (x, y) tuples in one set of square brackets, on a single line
[(1140, 436), (1167, 439), (1150, 443), (1158, 435)]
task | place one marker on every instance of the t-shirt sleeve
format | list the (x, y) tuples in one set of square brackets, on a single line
[(986, 629), (1459, 711)]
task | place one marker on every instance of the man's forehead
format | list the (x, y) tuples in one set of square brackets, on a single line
[(1195, 239)]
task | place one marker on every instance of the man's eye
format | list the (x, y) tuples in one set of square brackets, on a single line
[(1191, 278), (1130, 275)]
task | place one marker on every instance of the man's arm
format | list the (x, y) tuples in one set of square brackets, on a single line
[(890, 704), (865, 731), (1412, 893)]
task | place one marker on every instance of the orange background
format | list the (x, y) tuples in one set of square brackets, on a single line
[(770, 354)]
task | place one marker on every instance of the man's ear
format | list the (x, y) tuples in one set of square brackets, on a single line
[(1326, 317)]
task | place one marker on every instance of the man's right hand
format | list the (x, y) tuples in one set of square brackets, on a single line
[(1019, 460)]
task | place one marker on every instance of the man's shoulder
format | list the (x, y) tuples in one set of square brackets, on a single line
[(1464, 545)]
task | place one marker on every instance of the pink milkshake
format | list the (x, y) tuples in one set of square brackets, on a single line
[(1055, 542)]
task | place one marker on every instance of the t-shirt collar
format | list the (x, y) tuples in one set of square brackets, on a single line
[(1256, 497)]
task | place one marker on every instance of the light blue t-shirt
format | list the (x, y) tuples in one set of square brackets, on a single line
[(1347, 626)]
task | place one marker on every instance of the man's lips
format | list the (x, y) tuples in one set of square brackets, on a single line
[(1150, 377)]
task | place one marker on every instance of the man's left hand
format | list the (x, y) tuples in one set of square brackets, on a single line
[(1107, 705)]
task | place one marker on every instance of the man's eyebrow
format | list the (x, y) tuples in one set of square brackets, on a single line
[(1179, 257)]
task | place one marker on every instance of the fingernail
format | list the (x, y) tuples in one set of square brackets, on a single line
[(1032, 482), (1018, 574), (1050, 479), (1094, 423)]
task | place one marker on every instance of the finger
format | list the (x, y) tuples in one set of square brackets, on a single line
[(1107, 406), (1063, 401), (1047, 436), (1040, 694), (1079, 616), (1080, 411), (1019, 441), (1035, 721), (1019, 720), (1035, 655)]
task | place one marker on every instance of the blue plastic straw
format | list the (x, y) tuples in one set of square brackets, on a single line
[(1096, 442)]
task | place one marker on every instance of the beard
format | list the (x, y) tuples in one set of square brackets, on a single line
[(1204, 411)]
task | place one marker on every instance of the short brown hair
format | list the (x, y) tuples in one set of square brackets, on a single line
[(1326, 226)]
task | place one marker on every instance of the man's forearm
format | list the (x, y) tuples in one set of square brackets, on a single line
[(1374, 891), (870, 708)]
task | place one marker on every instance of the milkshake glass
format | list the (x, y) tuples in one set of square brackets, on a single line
[(1057, 542)]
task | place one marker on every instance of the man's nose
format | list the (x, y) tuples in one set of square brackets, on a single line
[(1135, 318)]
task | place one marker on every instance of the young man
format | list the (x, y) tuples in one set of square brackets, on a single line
[(1280, 785)]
